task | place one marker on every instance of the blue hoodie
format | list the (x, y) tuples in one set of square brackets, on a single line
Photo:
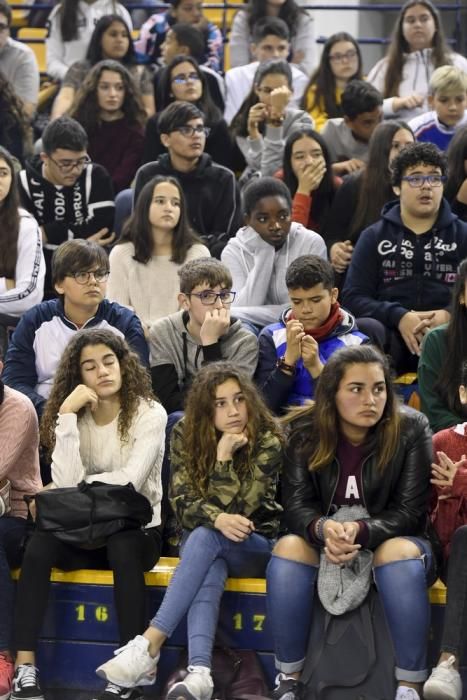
[(280, 389), (394, 271), (42, 335)]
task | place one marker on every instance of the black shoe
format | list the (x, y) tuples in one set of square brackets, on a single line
[(25, 684), (287, 689), (116, 692)]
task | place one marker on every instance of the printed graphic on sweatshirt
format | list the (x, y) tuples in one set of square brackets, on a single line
[(436, 259)]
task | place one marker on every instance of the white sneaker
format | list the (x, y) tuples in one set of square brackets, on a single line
[(132, 665), (197, 685), (405, 693), (444, 683)]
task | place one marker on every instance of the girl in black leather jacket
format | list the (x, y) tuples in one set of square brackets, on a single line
[(355, 446)]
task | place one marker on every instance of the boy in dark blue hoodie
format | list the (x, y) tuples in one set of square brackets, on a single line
[(404, 266), (292, 352)]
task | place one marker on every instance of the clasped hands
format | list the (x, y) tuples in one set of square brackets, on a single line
[(339, 541), (301, 345)]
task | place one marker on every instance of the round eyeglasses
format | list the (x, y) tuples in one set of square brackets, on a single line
[(84, 277)]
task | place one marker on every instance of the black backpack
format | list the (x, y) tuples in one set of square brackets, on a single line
[(350, 656)]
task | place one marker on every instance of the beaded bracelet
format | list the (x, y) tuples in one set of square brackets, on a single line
[(319, 528)]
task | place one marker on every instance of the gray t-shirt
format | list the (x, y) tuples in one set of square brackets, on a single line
[(19, 66), (341, 142)]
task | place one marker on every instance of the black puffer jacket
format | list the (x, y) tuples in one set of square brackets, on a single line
[(396, 497)]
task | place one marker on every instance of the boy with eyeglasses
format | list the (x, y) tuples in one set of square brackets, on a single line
[(211, 191), (69, 196), (79, 274), (202, 331), (404, 266)]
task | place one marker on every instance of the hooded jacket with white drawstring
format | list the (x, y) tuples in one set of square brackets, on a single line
[(258, 270), (392, 272), (416, 73)]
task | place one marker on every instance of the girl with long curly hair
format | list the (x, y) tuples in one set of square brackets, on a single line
[(417, 47), (341, 62), (111, 39), (156, 242), (226, 455), (22, 265), (355, 486), (109, 108), (101, 424)]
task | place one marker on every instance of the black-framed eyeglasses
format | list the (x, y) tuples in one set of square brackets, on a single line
[(182, 78), (84, 277), (420, 180), (208, 297), (347, 56), (190, 131), (67, 166), (4, 27)]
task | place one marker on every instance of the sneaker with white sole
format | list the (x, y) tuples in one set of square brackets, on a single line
[(444, 683), (116, 692), (131, 666), (197, 685), (406, 693), (25, 684)]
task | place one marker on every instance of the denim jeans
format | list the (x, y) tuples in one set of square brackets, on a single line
[(455, 620), (402, 586), (290, 593), (12, 531), (196, 588)]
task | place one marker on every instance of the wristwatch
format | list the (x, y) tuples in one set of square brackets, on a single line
[(284, 366)]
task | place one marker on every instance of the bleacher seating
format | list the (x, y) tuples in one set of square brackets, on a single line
[(80, 630)]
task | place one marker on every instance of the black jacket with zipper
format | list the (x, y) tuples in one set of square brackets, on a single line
[(396, 497)]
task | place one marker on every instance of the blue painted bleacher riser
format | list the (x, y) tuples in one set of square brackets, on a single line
[(80, 632)]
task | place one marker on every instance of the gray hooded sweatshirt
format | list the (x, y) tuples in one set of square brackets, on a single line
[(258, 270), (176, 356)]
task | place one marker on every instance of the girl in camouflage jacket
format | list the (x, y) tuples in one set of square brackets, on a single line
[(226, 454)]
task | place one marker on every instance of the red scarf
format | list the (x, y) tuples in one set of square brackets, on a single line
[(333, 320)]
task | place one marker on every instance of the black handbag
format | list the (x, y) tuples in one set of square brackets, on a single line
[(87, 514)]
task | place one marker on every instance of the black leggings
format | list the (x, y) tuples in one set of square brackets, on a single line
[(129, 554)]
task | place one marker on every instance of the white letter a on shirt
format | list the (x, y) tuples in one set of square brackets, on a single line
[(351, 490)]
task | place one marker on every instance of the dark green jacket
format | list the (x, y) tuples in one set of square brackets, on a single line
[(433, 355)]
